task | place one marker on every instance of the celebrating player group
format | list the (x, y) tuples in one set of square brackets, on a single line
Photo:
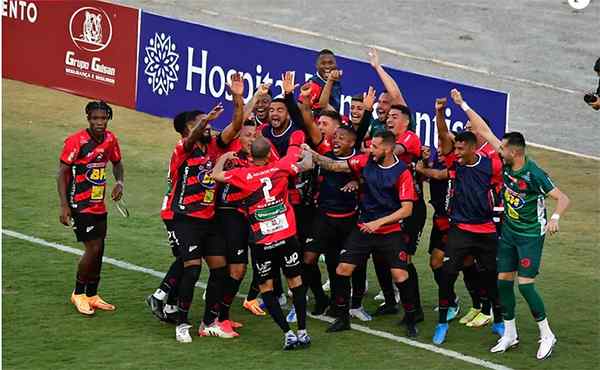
[(290, 180)]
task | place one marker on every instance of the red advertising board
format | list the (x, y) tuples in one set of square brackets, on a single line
[(87, 48)]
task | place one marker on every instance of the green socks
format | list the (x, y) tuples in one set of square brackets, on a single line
[(536, 305), (507, 298)]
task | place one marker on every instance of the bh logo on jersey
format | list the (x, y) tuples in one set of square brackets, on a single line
[(96, 174), (513, 201), (161, 64)]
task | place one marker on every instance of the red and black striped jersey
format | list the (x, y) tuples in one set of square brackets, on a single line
[(230, 196), (87, 159), (191, 188), (265, 193)]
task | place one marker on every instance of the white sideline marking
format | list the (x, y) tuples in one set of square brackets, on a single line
[(542, 146), (361, 328)]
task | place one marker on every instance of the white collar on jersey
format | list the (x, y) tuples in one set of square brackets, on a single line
[(476, 163), (348, 156), (396, 160), (284, 132)]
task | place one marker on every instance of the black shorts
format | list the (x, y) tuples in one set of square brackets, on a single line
[(390, 247), (233, 227), (173, 241), (89, 226), (461, 243), (330, 233), (439, 233), (285, 253), (305, 215), (197, 238), (413, 225)]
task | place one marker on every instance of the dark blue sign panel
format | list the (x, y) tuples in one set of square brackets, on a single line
[(184, 66)]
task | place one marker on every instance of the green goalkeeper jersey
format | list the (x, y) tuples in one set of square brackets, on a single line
[(524, 196)]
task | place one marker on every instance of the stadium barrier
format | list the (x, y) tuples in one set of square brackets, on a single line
[(89, 48)]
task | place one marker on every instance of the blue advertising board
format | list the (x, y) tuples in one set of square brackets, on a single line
[(184, 66)]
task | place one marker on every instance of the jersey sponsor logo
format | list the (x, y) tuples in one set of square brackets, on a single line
[(270, 212), (512, 202), (96, 173)]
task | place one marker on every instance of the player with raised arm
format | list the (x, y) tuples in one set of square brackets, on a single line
[(81, 184), (264, 187), (472, 230), (523, 232), (190, 204)]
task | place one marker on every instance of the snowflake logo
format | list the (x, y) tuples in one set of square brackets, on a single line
[(161, 64)]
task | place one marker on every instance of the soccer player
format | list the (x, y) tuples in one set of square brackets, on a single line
[(336, 202), (81, 183), (523, 232), (233, 224), (326, 65), (190, 204), (259, 105), (472, 230), (265, 192), (386, 200), (438, 189), (390, 96)]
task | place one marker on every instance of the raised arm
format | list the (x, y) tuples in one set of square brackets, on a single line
[(440, 121), (263, 89), (288, 86), (478, 125), (307, 117), (388, 82), (198, 130), (365, 122), (236, 87), (334, 75)]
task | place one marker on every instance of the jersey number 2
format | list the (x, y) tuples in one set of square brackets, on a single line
[(267, 185)]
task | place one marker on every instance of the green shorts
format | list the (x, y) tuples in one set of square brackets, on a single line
[(520, 253)]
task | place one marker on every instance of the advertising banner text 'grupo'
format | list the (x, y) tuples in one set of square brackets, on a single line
[(87, 48)]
